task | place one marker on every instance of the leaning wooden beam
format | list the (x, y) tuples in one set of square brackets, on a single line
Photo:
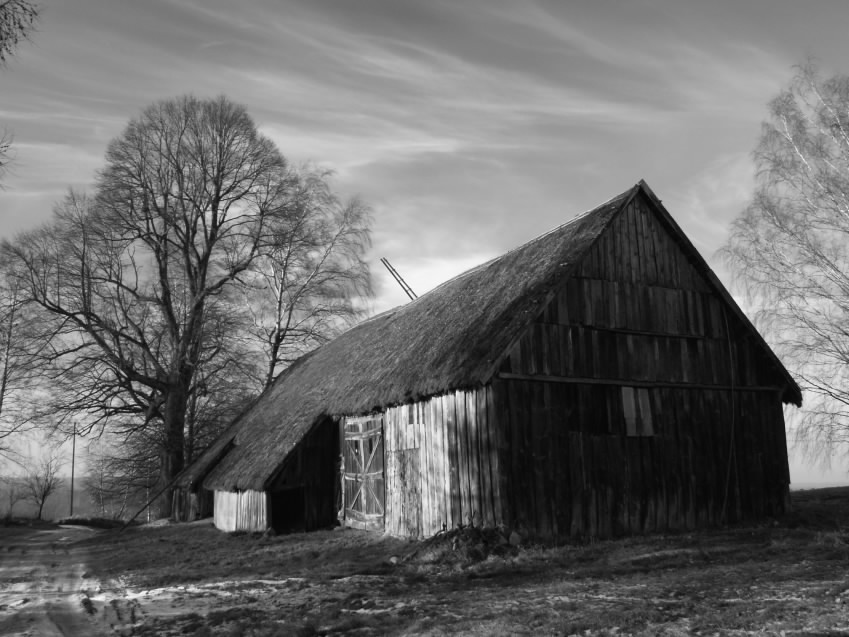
[(149, 502), (624, 330)]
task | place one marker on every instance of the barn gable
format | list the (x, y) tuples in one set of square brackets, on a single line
[(640, 397), (642, 304)]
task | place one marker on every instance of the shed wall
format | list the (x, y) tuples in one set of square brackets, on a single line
[(571, 468), (241, 510), (442, 464)]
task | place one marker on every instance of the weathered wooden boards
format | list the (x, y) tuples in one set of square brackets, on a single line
[(363, 472), (572, 469), (442, 464), (241, 510), (636, 402)]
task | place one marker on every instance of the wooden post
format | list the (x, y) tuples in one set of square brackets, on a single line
[(73, 455)]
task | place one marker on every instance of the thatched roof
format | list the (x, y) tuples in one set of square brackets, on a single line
[(450, 338)]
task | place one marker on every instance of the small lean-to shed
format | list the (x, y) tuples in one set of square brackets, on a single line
[(596, 381)]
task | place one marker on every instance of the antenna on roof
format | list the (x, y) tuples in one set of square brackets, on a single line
[(398, 278)]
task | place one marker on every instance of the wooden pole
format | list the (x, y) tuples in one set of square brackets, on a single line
[(409, 291), (73, 455)]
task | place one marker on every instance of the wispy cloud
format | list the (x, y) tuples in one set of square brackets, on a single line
[(468, 126)]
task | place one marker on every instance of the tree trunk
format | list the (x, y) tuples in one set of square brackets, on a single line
[(172, 453), (272, 361)]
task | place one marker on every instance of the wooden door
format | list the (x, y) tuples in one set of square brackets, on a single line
[(362, 472)]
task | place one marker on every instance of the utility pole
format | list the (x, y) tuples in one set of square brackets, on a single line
[(73, 454)]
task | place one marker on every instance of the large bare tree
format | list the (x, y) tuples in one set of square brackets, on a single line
[(790, 248), (184, 205)]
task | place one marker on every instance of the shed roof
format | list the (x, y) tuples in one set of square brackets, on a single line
[(453, 337)]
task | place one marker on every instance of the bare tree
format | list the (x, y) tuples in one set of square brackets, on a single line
[(43, 480), (306, 288), (184, 206), (14, 492), (113, 483), (790, 248), (21, 345)]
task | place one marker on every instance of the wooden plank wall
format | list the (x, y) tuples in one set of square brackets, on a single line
[(571, 469), (442, 464), (638, 314), (240, 510)]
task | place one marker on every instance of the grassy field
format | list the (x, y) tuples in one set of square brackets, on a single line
[(782, 577)]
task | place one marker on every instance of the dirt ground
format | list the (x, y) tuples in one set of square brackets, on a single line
[(40, 573), (787, 577)]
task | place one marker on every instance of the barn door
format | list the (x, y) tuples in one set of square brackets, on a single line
[(362, 472)]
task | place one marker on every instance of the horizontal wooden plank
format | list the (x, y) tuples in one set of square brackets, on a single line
[(359, 515), (629, 382), (358, 477), (363, 435), (354, 420), (667, 334), (365, 522)]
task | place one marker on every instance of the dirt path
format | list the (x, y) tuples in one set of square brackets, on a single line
[(42, 584)]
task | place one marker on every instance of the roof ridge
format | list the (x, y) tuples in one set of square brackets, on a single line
[(623, 195)]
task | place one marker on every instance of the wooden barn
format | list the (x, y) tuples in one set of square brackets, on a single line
[(597, 381)]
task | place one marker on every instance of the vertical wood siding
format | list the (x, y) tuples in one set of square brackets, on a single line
[(696, 437), (442, 466), (241, 510), (571, 469)]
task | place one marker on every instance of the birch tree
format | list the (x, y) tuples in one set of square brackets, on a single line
[(790, 248)]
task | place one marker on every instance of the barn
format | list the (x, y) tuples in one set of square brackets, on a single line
[(596, 381)]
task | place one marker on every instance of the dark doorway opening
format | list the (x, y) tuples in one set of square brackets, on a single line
[(287, 510)]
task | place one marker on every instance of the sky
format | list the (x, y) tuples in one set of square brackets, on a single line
[(468, 126)]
